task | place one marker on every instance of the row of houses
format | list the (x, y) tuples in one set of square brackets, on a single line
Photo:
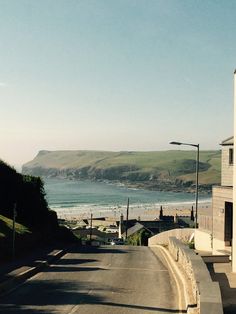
[(104, 229)]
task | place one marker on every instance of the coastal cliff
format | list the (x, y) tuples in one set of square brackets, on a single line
[(163, 170)]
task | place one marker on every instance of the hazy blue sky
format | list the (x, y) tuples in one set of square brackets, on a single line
[(114, 74)]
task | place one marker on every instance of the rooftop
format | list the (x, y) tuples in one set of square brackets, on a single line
[(228, 141)]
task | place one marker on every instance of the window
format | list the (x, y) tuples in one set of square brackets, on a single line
[(231, 156)]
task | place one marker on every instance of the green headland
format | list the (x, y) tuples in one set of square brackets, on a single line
[(156, 170)]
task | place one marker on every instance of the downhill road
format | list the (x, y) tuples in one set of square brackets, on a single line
[(109, 279)]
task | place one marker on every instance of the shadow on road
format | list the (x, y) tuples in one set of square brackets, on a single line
[(54, 294), (102, 250), (228, 293), (75, 261), (14, 309), (51, 294), (59, 269)]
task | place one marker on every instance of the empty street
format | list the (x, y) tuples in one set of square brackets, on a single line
[(108, 279)]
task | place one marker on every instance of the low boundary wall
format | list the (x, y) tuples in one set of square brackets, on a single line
[(163, 237), (206, 293)]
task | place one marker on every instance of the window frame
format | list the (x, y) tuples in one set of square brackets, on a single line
[(231, 156)]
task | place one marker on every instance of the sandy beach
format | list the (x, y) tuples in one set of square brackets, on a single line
[(142, 211)]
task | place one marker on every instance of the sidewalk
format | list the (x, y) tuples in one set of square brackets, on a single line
[(15, 272)]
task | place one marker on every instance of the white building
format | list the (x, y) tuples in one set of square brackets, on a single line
[(223, 236), (234, 186), (215, 224)]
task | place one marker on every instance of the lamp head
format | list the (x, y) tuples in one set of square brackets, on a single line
[(175, 143)]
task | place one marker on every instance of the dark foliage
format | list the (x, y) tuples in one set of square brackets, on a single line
[(27, 193)]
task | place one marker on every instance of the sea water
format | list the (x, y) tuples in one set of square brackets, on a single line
[(81, 198)]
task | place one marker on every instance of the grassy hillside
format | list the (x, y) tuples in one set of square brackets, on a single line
[(23, 238), (155, 170), (6, 227)]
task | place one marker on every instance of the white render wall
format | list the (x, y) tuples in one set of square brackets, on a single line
[(203, 240), (219, 247)]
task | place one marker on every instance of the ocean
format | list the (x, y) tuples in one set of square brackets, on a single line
[(71, 198)]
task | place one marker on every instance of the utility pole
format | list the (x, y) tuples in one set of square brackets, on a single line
[(127, 218), (91, 225), (197, 174), (13, 231)]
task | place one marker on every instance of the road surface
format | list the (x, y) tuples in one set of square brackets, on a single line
[(109, 279)]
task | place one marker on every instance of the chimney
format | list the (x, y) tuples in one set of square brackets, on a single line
[(161, 213), (121, 226), (176, 218)]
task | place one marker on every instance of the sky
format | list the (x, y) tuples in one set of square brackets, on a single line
[(114, 75)]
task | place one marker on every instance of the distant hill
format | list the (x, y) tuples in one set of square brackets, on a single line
[(163, 170)]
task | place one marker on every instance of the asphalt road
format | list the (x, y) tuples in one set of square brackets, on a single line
[(109, 279)]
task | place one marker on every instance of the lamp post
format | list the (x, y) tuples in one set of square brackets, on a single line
[(197, 171), (127, 220)]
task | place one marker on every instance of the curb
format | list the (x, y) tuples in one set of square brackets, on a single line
[(177, 276), (11, 283)]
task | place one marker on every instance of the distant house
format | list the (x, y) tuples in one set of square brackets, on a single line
[(150, 227), (134, 229), (215, 225), (138, 234)]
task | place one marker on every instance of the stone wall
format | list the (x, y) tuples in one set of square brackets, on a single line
[(206, 294)]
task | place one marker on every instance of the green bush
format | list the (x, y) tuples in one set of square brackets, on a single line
[(191, 245), (139, 238)]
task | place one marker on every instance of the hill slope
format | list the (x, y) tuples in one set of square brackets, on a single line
[(6, 227), (163, 170)]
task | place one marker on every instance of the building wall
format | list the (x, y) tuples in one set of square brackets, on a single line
[(226, 167), (220, 195), (205, 219), (234, 187), (203, 240)]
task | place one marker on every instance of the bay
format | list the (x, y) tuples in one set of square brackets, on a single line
[(70, 197)]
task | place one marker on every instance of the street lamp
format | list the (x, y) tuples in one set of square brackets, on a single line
[(197, 171)]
